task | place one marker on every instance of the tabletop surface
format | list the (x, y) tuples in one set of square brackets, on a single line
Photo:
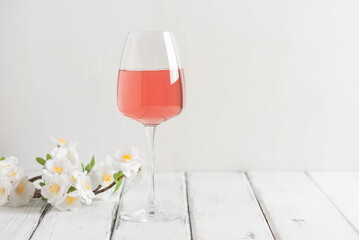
[(212, 205)]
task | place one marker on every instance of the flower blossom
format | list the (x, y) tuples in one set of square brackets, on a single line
[(22, 192), (71, 201), (57, 166), (8, 162), (66, 150), (55, 188), (129, 161), (84, 187)]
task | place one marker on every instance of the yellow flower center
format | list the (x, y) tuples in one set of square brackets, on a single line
[(87, 185), (20, 188), (11, 173), (58, 169), (54, 188), (126, 157), (73, 179), (2, 191), (63, 141), (70, 200), (106, 178)]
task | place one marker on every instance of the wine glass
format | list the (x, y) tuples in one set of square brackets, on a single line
[(150, 90)]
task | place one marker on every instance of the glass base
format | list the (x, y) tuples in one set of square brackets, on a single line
[(148, 214)]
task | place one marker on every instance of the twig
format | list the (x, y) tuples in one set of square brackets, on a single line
[(108, 187), (33, 179), (96, 189), (105, 189), (37, 193)]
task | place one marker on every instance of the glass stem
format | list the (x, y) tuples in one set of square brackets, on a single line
[(150, 134)]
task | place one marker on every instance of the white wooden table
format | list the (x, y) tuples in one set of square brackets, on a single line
[(221, 205)]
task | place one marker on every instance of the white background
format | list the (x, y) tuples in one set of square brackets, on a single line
[(270, 84)]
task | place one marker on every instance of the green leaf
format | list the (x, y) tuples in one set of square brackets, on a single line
[(41, 160), (2, 158), (82, 166), (42, 184), (117, 186), (43, 198), (116, 176), (71, 189), (48, 156), (93, 161), (118, 181), (89, 166)]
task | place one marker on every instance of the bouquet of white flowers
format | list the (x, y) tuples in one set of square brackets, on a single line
[(66, 183)]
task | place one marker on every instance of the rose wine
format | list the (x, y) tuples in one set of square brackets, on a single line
[(151, 97)]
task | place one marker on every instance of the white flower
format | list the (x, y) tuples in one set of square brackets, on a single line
[(72, 201), (72, 154), (55, 188), (13, 174), (66, 150), (60, 142), (74, 176), (84, 187), (57, 166), (5, 189), (129, 161), (8, 162), (102, 174), (22, 192)]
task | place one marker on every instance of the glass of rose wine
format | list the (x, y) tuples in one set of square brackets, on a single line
[(150, 90)]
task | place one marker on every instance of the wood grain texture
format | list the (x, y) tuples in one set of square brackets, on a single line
[(171, 194), (296, 208), (222, 206), (19, 223), (342, 188), (89, 222)]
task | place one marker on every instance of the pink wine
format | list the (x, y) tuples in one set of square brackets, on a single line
[(151, 97)]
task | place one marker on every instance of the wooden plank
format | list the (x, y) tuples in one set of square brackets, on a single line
[(19, 223), (89, 222), (222, 206), (297, 209), (342, 188), (171, 194)]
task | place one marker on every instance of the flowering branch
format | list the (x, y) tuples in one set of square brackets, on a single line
[(65, 182), (96, 191)]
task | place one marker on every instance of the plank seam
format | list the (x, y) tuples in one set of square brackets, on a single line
[(261, 206), (44, 210), (115, 213), (188, 211), (332, 202), (114, 220)]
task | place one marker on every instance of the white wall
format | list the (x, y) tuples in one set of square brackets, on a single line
[(270, 84)]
